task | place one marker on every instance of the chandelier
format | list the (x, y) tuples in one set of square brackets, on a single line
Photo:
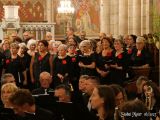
[(66, 7)]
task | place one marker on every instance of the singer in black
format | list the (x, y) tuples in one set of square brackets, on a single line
[(61, 67), (15, 66)]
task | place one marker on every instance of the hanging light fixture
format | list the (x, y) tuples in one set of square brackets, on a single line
[(66, 7)]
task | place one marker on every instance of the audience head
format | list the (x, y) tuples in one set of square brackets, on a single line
[(82, 80), (135, 106), (103, 98), (120, 95), (152, 90), (45, 79), (140, 43), (63, 93), (6, 91), (140, 82), (90, 84), (21, 101), (8, 78)]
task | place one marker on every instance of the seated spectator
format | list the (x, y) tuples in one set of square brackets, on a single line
[(23, 104), (151, 97), (120, 98), (7, 78), (63, 93), (103, 100), (120, 95), (45, 80), (6, 91), (139, 84), (134, 110), (82, 82)]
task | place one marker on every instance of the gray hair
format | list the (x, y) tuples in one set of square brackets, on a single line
[(31, 42)]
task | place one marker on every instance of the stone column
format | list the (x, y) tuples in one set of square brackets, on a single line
[(123, 17), (105, 16), (49, 10), (115, 17), (137, 17), (149, 17)]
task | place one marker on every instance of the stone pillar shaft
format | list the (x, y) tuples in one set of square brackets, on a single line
[(105, 16), (137, 17), (123, 17)]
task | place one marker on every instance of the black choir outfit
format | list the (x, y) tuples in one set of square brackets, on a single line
[(118, 76), (15, 67), (87, 60), (142, 58), (2, 57), (26, 59), (74, 69), (103, 63), (40, 64), (63, 67)]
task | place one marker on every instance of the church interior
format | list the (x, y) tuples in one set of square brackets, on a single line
[(79, 59)]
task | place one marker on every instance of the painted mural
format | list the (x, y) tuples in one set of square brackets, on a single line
[(86, 17), (30, 10)]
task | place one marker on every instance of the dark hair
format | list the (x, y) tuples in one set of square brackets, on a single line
[(107, 39), (108, 95), (117, 89), (21, 97), (65, 87), (134, 37), (44, 42), (17, 39), (134, 106)]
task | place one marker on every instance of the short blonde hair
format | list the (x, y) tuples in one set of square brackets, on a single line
[(11, 87)]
